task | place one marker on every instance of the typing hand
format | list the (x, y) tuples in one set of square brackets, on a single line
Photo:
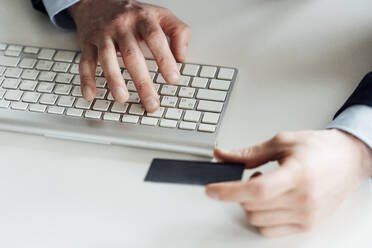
[(318, 169), (107, 26)]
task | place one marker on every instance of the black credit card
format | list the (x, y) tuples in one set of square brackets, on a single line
[(193, 172)]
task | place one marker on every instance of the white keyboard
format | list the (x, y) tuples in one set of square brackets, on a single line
[(46, 81)]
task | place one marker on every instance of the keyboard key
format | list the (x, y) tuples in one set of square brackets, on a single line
[(74, 112), (76, 91), (136, 109), (186, 92), (17, 48), (169, 90), (173, 113), (192, 115), (61, 67), (210, 106), (119, 107), (184, 81), (101, 93), (37, 108), (102, 105), (151, 65), (64, 56), (126, 75), (44, 65), (160, 79), (207, 128), (134, 97), (93, 114), (76, 80), (62, 89), (226, 73), (2, 70), (111, 117), (55, 110), (28, 63), (74, 69), (131, 86), (99, 71), (187, 125), (3, 46), (66, 101), (187, 103), (168, 123), (130, 119), (158, 113), (215, 95), (4, 104), (31, 50), (217, 84), (12, 53), (30, 74), (100, 82), (199, 82), (190, 70), (210, 118), (149, 121), (208, 71), (28, 85), (45, 87), (11, 83), (13, 72), (13, 95), (83, 104), (48, 99), (46, 54), (77, 59), (8, 61), (47, 76), (31, 97), (169, 101), (64, 78), (2, 93)]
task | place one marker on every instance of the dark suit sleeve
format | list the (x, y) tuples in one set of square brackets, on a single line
[(39, 5), (361, 96)]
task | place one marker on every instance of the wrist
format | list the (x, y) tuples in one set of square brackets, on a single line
[(365, 152)]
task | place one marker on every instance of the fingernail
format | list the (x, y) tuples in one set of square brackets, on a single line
[(172, 77), (119, 94), (88, 93), (151, 104), (212, 194)]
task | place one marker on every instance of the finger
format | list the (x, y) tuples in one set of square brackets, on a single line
[(281, 230), (158, 44), (287, 200), (110, 65), (178, 32), (87, 68), (273, 217), (261, 188), (252, 156), (136, 66)]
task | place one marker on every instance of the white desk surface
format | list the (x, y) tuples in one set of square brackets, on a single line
[(298, 61)]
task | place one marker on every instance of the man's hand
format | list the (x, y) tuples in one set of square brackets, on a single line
[(318, 169), (107, 26)]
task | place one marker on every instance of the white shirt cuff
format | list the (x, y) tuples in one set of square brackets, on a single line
[(57, 11), (356, 120)]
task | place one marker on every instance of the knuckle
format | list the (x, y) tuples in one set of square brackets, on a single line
[(259, 190), (129, 52), (282, 137), (141, 85), (154, 36)]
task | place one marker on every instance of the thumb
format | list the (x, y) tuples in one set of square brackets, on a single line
[(251, 156)]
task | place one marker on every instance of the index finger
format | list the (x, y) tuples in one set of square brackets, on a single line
[(135, 63), (262, 188)]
